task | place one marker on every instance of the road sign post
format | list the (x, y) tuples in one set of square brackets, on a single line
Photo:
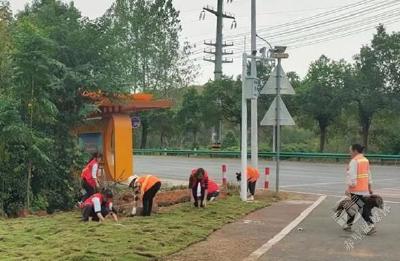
[(278, 115)]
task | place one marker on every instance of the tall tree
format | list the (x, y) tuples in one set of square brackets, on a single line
[(5, 45), (189, 116), (367, 89), (147, 45), (321, 94)]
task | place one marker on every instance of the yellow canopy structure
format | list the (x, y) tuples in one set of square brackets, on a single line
[(110, 130)]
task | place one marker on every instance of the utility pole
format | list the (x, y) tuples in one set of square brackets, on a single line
[(254, 111), (219, 46)]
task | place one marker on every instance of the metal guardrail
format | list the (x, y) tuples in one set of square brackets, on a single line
[(284, 155)]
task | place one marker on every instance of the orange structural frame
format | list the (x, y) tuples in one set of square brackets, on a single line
[(113, 122)]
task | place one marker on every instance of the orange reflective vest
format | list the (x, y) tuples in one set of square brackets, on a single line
[(252, 174), (146, 182), (362, 174)]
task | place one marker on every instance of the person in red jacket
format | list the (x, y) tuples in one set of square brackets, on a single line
[(98, 206), (198, 179), (213, 190), (89, 176), (145, 189)]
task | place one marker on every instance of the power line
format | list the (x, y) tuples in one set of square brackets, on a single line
[(286, 29)]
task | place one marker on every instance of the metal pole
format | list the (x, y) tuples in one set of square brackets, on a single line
[(254, 111), (278, 123), (274, 138), (243, 183), (218, 42)]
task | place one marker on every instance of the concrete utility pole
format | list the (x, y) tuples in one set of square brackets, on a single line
[(219, 44), (254, 111), (218, 52)]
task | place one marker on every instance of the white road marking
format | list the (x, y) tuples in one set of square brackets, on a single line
[(312, 184), (326, 183), (267, 246)]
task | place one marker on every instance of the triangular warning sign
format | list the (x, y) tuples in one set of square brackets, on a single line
[(270, 86), (270, 117)]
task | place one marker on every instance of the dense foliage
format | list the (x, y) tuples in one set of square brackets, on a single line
[(50, 55)]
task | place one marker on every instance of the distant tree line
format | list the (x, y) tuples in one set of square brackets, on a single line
[(337, 103)]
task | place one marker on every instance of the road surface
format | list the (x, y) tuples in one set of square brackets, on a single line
[(319, 238), (323, 178)]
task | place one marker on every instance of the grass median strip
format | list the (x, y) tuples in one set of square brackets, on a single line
[(63, 236)]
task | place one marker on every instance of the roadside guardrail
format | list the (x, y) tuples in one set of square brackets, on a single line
[(261, 154)]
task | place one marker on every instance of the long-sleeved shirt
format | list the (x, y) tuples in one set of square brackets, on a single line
[(193, 181)]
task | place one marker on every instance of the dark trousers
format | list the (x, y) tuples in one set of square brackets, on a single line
[(213, 195), (196, 198), (88, 211), (148, 198), (364, 209), (89, 190), (252, 187)]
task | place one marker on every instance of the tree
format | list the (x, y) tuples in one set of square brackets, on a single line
[(321, 94), (366, 89), (147, 47), (385, 49), (229, 92), (5, 45), (189, 115)]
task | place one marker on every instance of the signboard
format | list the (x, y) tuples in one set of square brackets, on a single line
[(91, 142), (252, 87), (135, 122), (271, 85), (270, 117)]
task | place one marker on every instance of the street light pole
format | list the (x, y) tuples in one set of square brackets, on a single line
[(243, 182), (254, 109)]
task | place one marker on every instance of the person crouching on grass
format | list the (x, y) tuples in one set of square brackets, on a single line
[(198, 180), (98, 206), (145, 189), (213, 190)]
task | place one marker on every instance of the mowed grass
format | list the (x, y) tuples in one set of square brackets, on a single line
[(63, 237)]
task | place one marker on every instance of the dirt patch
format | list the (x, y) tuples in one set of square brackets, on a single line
[(124, 201)]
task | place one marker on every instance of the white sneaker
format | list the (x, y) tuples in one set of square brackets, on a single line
[(251, 198)]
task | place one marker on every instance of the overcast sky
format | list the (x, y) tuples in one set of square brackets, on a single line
[(277, 12)]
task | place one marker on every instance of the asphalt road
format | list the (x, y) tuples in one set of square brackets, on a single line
[(321, 238), (307, 177)]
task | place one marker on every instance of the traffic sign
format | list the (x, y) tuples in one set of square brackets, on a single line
[(252, 87), (271, 85), (135, 122), (270, 117)]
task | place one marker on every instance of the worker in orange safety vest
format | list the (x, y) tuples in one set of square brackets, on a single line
[(145, 189), (359, 185), (252, 176)]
